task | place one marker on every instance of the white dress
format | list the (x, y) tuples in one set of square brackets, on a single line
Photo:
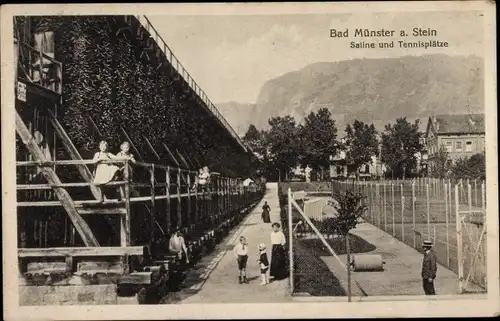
[(104, 173)]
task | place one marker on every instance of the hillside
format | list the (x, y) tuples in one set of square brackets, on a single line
[(237, 114), (371, 90)]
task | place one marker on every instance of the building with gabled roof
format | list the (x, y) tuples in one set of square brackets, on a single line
[(462, 135)]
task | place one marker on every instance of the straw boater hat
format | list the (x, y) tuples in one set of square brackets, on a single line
[(427, 244), (262, 246)]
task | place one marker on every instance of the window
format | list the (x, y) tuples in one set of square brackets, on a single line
[(468, 146), (458, 146), (449, 147)]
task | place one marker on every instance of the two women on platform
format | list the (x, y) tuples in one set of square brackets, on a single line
[(106, 172)]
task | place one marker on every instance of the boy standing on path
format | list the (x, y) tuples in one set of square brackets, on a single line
[(429, 268), (241, 252)]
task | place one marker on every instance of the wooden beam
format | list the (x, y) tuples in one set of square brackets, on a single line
[(65, 199), (74, 154), (80, 251), (151, 148), (127, 137), (65, 185), (182, 159), (170, 153)]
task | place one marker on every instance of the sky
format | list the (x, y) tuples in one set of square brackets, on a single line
[(231, 57)]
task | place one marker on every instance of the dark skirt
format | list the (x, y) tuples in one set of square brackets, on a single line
[(278, 262), (266, 217)]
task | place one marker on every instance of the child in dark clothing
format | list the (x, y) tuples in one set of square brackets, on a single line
[(264, 264)]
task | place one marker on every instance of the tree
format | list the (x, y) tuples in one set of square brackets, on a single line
[(361, 143), (400, 144), (283, 144), (350, 208), (473, 167), (318, 137), (441, 164)]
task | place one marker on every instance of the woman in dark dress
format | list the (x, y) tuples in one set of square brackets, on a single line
[(266, 217), (278, 256)]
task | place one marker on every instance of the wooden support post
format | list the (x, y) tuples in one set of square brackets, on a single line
[(447, 224), (167, 200), (189, 199), (179, 199), (153, 203), (459, 242), (125, 220)]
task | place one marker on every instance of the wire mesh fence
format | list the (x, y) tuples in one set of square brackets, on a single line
[(429, 209), (317, 254)]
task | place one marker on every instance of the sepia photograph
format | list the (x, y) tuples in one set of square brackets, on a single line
[(240, 160)]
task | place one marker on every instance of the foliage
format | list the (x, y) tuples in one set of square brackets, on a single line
[(361, 145), (473, 167), (400, 143), (350, 208), (108, 75), (283, 143), (318, 139), (441, 164)]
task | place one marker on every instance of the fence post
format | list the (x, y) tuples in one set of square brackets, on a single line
[(402, 214), (428, 210), (377, 195), (475, 193), (393, 212), (290, 235), (469, 197), (459, 242), (384, 208), (483, 196), (413, 214), (447, 224)]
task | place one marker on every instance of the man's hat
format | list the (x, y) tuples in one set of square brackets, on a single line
[(427, 244)]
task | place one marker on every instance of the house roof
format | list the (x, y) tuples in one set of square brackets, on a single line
[(465, 123)]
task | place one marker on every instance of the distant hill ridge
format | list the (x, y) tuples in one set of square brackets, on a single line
[(371, 90)]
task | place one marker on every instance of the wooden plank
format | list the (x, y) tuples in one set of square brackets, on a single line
[(94, 267), (46, 267), (80, 251), (125, 220), (64, 185), (52, 178), (136, 278), (102, 211), (74, 154)]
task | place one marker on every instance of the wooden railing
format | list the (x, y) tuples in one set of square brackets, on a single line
[(160, 181)]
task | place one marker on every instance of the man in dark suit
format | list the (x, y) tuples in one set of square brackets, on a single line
[(429, 268)]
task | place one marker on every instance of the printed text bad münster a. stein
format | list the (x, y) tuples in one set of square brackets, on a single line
[(359, 32)]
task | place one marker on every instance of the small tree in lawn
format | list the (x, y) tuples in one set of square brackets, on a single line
[(350, 208)]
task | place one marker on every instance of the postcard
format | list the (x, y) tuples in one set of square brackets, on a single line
[(249, 160)]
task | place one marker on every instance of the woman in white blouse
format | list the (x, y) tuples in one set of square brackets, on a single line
[(278, 256)]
